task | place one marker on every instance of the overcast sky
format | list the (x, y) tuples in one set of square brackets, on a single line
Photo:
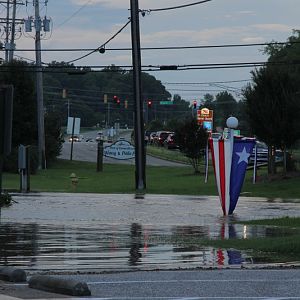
[(89, 24)]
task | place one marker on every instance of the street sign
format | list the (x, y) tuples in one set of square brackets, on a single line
[(73, 122), (166, 102)]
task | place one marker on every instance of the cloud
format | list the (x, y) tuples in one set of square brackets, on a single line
[(273, 27), (255, 39), (144, 4)]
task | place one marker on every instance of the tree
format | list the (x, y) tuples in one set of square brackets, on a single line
[(273, 109), (192, 140), (24, 127), (225, 106)]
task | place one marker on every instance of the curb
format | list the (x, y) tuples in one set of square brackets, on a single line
[(12, 274), (59, 285), (4, 297)]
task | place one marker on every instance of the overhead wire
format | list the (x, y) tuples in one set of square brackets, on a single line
[(163, 48), (177, 7), (209, 82), (102, 45), (74, 14)]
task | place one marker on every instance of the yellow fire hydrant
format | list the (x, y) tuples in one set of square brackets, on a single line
[(74, 180)]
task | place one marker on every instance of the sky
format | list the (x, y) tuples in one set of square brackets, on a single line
[(84, 24)]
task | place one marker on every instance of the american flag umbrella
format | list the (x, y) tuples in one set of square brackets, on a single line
[(230, 158)]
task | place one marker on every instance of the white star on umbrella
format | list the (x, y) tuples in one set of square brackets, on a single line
[(244, 155)]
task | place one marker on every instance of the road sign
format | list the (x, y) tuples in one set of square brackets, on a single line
[(166, 102), (73, 124)]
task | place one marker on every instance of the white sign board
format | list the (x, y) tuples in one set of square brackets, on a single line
[(76, 125), (120, 150)]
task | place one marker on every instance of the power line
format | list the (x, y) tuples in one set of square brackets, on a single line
[(176, 7), (89, 69), (163, 48), (74, 14), (210, 82), (101, 46)]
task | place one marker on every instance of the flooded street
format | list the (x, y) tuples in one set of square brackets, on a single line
[(92, 233)]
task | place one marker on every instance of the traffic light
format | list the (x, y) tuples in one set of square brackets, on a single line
[(117, 100), (195, 104), (126, 104), (149, 103), (64, 94)]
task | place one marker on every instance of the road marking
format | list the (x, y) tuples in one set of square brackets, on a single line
[(191, 280), (172, 298)]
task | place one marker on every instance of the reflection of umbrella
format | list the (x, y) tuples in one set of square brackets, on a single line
[(228, 231)]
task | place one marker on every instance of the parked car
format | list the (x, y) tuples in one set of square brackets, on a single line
[(160, 137), (262, 154), (169, 142), (152, 137)]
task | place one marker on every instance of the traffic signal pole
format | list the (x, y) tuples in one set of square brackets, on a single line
[(140, 159)]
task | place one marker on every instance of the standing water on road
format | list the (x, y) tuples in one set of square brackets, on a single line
[(57, 233)]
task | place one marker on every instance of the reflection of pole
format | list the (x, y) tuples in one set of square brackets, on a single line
[(140, 180)]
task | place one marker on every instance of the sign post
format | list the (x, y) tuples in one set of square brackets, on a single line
[(73, 128)]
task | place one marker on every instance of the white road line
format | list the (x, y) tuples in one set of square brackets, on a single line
[(191, 280), (178, 298)]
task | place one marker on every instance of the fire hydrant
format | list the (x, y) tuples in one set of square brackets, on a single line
[(74, 180)]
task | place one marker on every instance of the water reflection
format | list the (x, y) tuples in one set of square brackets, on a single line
[(135, 244), (60, 248)]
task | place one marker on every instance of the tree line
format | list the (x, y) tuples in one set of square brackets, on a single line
[(269, 109)]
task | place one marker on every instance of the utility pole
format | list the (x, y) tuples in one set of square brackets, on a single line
[(7, 30), (13, 30), (10, 26), (140, 158), (39, 88)]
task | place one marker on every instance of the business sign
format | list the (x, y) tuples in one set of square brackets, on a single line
[(120, 150), (204, 115), (205, 118)]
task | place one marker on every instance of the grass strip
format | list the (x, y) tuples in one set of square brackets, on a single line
[(120, 178), (286, 222), (284, 245)]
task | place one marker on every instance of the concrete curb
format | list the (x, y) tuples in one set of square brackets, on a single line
[(4, 297), (12, 274), (59, 285)]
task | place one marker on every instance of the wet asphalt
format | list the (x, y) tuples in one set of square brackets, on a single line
[(88, 234)]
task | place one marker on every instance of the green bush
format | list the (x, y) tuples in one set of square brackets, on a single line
[(5, 200)]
